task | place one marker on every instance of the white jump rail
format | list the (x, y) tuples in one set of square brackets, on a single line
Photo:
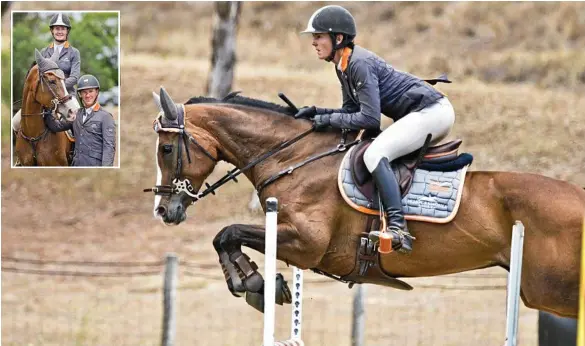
[(513, 301), (270, 285)]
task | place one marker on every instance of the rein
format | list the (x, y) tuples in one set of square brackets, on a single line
[(179, 185)]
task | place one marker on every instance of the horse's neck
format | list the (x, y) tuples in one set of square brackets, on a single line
[(242, 138), (32, 122)]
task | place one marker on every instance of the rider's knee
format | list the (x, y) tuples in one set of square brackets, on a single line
[(372, 158)]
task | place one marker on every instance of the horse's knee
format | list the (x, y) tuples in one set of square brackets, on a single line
[(216, 240), (227, 239)]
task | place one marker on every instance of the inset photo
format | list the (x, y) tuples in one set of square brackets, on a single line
[(65, 89)]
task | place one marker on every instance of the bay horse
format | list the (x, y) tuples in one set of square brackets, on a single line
[(317, 229), (44, 88)]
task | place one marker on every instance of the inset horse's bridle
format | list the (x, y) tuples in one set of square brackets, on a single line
[(55, 101)]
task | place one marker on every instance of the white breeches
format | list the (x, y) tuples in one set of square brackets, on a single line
[(409, 133)]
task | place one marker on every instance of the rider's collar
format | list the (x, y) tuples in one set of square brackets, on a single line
[(65, 45), (344, 61), (94, 108)]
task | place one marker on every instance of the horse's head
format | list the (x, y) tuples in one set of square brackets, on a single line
[(47, 83), (186, 155)]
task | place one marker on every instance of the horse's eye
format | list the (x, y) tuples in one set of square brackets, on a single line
[(167, 149)]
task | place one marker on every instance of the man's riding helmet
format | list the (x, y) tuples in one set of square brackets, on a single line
[(61, 20), (87, 82), (333, 20)]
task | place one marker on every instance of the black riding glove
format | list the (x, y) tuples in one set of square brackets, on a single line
[(306, 112), (321, 121)]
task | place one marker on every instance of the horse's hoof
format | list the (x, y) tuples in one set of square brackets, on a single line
[(283, 294), (255, 300), (254, 282)]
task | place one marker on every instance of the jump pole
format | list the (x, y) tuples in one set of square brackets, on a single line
[(513, 300), (270, 285)]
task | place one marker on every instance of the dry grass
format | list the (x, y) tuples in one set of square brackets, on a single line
[(487, 48)]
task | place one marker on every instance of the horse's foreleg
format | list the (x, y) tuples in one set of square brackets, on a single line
[(241, 273)]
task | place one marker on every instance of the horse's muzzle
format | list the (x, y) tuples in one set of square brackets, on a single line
[(173, 215), (71, 115)]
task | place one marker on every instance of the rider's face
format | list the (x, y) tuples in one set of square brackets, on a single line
[(59, 32), (88, 96), (322, 44)]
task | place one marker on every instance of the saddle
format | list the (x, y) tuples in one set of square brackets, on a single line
[(443, 157)]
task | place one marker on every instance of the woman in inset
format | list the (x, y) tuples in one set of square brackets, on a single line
[(369, 87), (69, 59)]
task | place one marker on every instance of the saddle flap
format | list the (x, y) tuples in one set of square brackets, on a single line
[(359, 171), (445, 148)]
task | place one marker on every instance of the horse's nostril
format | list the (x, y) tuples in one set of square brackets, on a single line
[(161, 210)]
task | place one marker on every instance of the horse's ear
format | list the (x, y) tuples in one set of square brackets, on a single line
[(157, 101), (55, 56), (38, 57), (168, 106)]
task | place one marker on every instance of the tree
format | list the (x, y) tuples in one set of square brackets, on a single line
[(223, 58), (5, 7)]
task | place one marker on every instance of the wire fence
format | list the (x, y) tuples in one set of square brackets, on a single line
[(47, 302)]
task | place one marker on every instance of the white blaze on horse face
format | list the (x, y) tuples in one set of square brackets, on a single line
[(72, 105), (158, 180)]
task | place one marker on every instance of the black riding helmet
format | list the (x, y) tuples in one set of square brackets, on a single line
[(333, 20), (87, 82)]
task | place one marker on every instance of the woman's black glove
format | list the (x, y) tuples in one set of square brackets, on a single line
[(306, 112)]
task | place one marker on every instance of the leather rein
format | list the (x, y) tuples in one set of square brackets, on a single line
[(179, 185)]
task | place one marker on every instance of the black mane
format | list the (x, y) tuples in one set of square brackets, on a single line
[(235, 99)]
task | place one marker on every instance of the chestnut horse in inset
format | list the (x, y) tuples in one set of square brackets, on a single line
[(44, 88)]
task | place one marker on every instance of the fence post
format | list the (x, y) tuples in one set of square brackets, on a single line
[(169, 295), (358, 317)]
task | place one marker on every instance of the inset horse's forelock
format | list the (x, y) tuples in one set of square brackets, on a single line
[(233, 99)]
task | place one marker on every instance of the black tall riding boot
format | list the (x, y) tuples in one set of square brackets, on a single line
[(392, 202)]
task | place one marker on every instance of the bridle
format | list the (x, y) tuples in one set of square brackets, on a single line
[(179, 185), (184, 185), (56, 100)]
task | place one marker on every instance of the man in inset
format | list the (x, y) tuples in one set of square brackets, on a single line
[(94, 127)]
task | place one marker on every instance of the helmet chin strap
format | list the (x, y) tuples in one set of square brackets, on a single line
[(334, 47)]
